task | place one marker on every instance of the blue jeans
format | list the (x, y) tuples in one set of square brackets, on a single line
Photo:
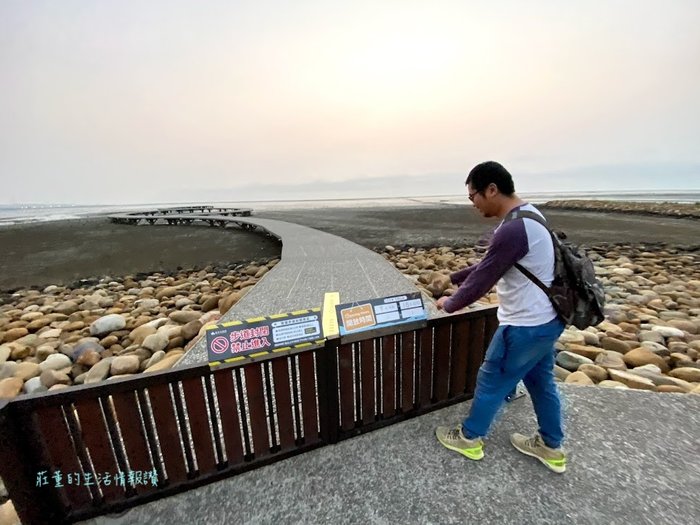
[(515, 353)]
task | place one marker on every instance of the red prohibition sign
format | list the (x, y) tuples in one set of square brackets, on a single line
[(219, 345)]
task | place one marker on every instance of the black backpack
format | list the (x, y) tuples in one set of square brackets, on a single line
[(576, 294)]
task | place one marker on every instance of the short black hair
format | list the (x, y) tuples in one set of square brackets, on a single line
[(489, 172)]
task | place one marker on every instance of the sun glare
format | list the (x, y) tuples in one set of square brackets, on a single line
[(390, 68)]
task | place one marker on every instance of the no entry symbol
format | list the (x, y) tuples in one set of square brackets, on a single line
[(219, 345)]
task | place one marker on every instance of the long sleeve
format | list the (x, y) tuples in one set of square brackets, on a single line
[(508, 246), (459, 277)]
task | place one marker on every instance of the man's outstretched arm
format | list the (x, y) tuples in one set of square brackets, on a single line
[(508, 246)]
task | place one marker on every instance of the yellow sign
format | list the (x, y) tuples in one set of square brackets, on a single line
[(329, 319)]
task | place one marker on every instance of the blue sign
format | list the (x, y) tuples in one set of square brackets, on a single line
[(375, 314)]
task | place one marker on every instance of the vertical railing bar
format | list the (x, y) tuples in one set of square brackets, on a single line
[(450, 346), (397, 373), (316, 389), (296, 397), (358, 382), (83, 457), (297, 370), (187, 443), (242, 404), (213, 417), (416, 369), (151, 436), (272, 430), (433, 335), (115, 440), (378, 402)]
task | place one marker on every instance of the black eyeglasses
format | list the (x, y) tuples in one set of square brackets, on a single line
[(471, 195)]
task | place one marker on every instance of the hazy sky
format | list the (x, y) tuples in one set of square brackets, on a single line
[(133, 101)]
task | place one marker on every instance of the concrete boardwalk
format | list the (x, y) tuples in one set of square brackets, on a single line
[(312, 263), (633, 459)]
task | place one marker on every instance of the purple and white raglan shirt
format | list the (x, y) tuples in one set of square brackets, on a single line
[(522, 303)]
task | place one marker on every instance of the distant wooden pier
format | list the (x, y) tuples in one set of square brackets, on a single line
[(185, 215)]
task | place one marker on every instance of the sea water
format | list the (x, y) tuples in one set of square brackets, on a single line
[(27, 213)]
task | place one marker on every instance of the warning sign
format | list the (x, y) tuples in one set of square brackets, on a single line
[(376, 314), (261, 335)]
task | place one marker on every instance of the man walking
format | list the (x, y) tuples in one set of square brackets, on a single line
[(522, 347)]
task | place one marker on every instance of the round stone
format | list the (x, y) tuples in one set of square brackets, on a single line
[(613, 384), (167, 362), (595, 372), (578, 378), (50, 378), (632, 380), (10, 387), (615, 345), (611, 360), (88, 358), (561, 373), (34, 386), (14, 333), (642, 356), (670, 389), (571, 361), (56, 362), (590, 352), (570, 336), (26, 371), (125, 364), (155, 342), (184, 316), (668, 331), (99, 371), (108, 323), (191, 329), (689, 374), (155, 358)]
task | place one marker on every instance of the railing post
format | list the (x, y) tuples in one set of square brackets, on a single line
[(329, 415), (19, 469)]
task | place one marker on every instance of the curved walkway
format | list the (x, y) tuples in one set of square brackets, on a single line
[(312, 263)]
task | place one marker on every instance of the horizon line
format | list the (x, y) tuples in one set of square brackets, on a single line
[(364, 198)]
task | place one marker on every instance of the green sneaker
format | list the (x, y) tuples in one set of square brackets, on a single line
[(453, 439), (552, 458)]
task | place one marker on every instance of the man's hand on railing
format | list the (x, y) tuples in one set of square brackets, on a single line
[(440, 303)]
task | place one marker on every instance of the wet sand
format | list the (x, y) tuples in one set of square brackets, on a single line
[(62, 252), (448, 224)]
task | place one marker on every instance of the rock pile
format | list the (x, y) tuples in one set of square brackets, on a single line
[(650, 339), (668, 209), (62, 336)]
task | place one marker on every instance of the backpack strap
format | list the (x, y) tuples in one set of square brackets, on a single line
[(524, 214), (518, 214)]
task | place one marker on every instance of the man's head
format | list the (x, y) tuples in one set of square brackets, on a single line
[(489, 185)]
